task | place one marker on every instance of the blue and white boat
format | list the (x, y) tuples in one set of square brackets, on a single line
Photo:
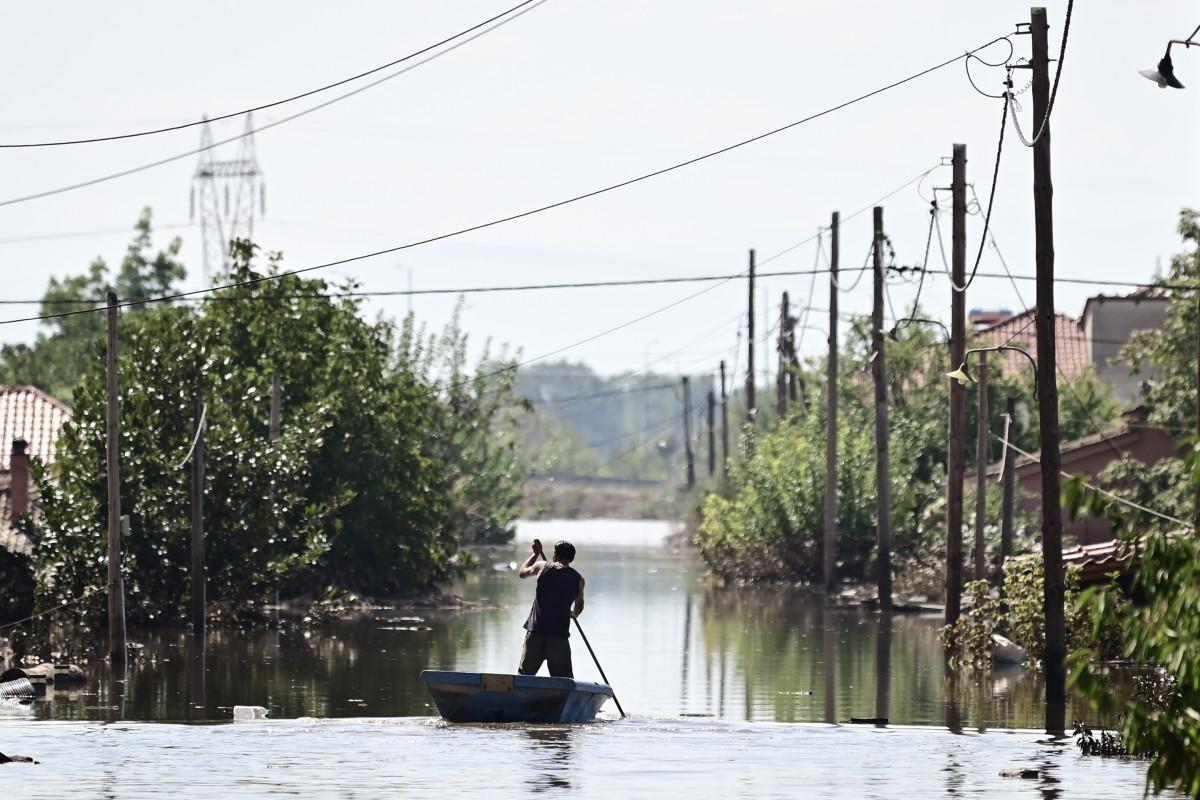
[(488, 697)]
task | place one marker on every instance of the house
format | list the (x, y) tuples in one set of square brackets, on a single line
[(1108, 323), (1090, 456), (30, 421), (1020, 330)]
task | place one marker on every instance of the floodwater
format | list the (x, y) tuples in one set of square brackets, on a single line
[(729, 692)]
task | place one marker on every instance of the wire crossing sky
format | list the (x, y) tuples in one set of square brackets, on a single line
[(573, 97)]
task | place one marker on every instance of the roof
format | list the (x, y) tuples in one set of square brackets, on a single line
[(1070, 343), (25, 413), (29, 413)]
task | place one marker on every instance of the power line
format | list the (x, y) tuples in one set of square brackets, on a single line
[(269, 125), (273, 104), (97, 304), (521, 215)]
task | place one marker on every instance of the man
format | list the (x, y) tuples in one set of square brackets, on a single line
[(558, 600)]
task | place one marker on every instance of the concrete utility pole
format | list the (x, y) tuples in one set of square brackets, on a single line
[(956, 440), (1010, 457), (883, 482), (1051, 461), (117, 651), (750, 401), (981, 450), (831, 416)]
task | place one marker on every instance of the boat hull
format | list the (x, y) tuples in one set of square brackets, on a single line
[(487, 697)]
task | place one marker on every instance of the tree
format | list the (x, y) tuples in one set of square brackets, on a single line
[(472, 430), (348, 495), (57, 361)]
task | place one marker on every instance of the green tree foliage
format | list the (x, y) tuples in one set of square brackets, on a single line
[(358, 491), (768, 522), (56, 361), (472, 431), (1161, 633)]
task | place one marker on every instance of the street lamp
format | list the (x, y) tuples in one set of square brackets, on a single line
[(1164, 74), (963, 373)]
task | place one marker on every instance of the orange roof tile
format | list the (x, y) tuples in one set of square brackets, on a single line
[(30, 414), (1070, 343)]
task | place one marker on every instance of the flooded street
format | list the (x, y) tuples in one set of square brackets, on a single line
[(728, 691)]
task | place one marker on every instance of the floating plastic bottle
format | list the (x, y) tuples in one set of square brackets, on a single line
[(249, 712)]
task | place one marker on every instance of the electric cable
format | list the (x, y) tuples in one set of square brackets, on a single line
[(269, 125), (275, 103)]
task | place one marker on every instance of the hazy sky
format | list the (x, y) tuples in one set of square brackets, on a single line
[(576, 96)]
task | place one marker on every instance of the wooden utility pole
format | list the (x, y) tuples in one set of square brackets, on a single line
[(712, 434), (751, 408), (687, 434), (956, 444), (724, 427), (781, 376), (276, 402), (883, 483), (199, 589), (117, 651), (1051, 461), (831, 416), (1010, 457), (981, 450)]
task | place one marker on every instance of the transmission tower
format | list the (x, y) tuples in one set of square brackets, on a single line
[(229, 192)]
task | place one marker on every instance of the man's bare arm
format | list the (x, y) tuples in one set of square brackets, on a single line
[(578, 609), (532, 566)]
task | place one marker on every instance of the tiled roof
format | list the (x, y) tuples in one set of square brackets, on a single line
[(1070, 343), (30, 414)]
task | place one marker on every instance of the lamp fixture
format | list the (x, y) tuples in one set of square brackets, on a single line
[(1164, 73), (963, 373)]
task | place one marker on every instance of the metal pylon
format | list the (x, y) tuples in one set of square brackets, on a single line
[(227, 195)]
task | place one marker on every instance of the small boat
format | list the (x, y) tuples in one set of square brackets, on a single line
[(1006, 652), (488, 697)]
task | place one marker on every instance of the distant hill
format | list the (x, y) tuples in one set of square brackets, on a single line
[(623, 428)]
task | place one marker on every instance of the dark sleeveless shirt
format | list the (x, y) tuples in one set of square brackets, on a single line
[(557, 588)]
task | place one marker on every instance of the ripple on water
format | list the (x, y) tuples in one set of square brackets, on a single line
[(424, 757)]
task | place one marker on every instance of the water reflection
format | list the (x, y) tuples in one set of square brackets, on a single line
[(550, 757), (672, 645)]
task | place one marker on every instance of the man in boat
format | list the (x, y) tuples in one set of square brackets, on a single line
[(558, 600)]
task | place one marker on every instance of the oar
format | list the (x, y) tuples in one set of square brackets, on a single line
[(604, 677), (579, 628)]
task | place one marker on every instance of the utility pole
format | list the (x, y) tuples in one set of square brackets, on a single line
[(687, 434), (981, 450), (712, 434), (781, 396), (276, 402), (117, 650), (883, 484), (955, 457), (831, 416), (199, 589), (724, 427), (1010, 456), (1051, 461), (750, 401)]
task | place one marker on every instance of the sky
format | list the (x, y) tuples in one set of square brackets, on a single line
[(571, 97)]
